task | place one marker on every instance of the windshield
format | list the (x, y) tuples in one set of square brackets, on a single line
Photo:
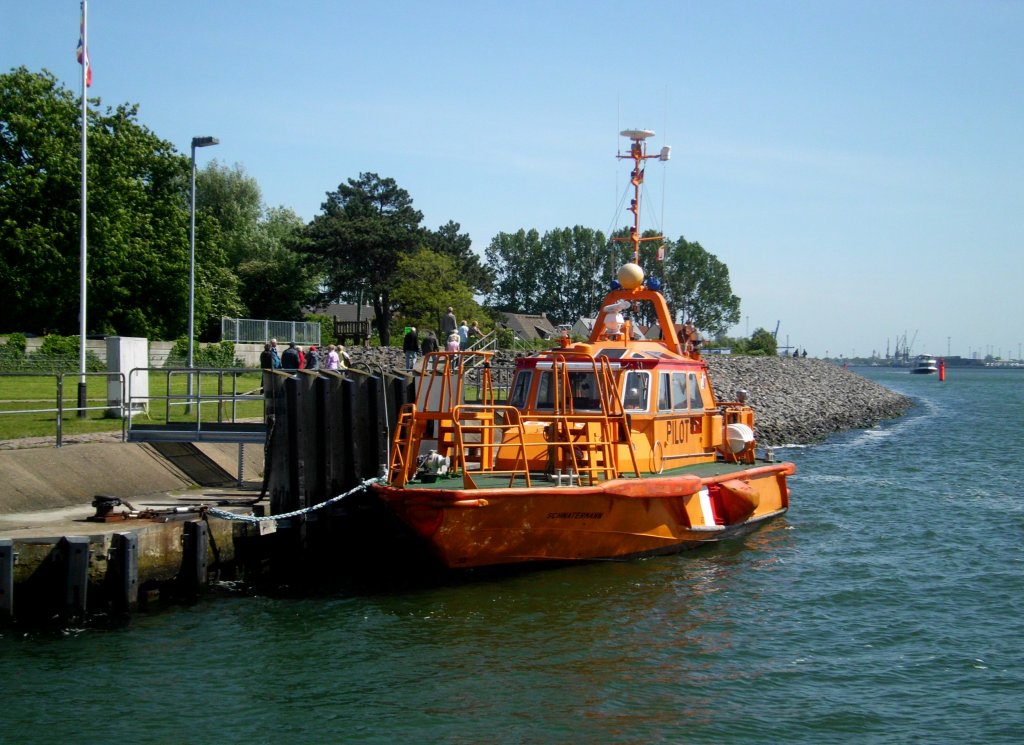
[(581, 390)]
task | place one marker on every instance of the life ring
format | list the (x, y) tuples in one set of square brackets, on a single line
[(658, 462)]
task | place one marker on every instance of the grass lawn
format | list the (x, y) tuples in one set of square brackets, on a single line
[(32, 394)]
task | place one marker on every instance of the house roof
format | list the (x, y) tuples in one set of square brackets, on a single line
[(584, 325), (346, 312), (530, 326)]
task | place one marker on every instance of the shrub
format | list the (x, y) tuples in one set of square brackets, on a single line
[(15, 344), (505, 338), (61, 354), (218, 355), (12, 353)]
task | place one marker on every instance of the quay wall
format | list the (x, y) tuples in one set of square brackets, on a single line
[(49, 478), (159, 351)]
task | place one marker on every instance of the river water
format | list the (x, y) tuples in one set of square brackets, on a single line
[(886, 606)]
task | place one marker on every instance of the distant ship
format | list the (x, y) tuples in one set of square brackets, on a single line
[(924, 364)]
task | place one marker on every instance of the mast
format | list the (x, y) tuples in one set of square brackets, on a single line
[(638, 154)]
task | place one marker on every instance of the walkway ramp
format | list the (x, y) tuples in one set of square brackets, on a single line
[(230, 432)]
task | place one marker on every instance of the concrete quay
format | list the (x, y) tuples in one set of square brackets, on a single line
[(60, 560)]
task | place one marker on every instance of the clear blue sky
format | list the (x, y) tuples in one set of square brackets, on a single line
[(859, 166)]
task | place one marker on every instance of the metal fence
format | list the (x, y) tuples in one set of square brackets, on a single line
[(115, 386), (40, 363), (501, 383), (196, 400), (257, 331)]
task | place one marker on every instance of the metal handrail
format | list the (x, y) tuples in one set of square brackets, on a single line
[(60, 408), (196, 397)]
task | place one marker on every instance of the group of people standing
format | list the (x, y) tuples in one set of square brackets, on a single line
[(456, 337), (294, 358)]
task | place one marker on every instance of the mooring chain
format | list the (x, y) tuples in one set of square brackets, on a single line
[(295, 513)]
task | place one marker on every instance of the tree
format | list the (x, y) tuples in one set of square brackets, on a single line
[(448, 241), (365, 227), (278, 282), (138, 249), (234, 200), (428, 283), (39, 202), (577, 273), (518, 263), (274, 281), (563, 273), (762, 342), (696, 285)]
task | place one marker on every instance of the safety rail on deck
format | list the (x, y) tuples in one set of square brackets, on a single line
[(583, 445), (484, 422), (189, 394), (568, 425), (60, 409)]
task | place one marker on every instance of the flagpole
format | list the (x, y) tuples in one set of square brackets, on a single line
[(82, 238)]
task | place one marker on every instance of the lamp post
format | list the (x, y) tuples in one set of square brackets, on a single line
[(196, 142)]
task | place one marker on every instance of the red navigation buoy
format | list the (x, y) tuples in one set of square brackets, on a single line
[(942, 368)]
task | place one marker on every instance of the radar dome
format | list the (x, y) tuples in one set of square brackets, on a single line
[(631, 276)]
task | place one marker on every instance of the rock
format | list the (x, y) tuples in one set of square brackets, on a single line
[(800, 401)]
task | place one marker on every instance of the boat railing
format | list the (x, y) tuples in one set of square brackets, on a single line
[(443, 388), (479, 432), (584, 446), (603, 430), (444, 375), (488, 438)]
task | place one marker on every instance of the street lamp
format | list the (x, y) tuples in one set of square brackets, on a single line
[(196, 142)]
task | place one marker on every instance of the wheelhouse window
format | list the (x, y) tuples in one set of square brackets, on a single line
[(520, 389), (679, 397), (636, 394), (579, 390), (680, 391), (665, 392), (696, 402)]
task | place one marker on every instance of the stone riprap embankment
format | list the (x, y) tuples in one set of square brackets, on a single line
[(795, 401), (799, 401)]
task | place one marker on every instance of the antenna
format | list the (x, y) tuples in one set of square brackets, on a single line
[(638, 154)]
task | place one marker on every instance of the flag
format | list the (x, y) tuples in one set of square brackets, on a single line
[(82, 53), (661, 252)]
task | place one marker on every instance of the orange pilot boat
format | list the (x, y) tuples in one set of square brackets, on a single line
[(611, 448)]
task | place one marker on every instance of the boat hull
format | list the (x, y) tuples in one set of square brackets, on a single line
[(616, 519)]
